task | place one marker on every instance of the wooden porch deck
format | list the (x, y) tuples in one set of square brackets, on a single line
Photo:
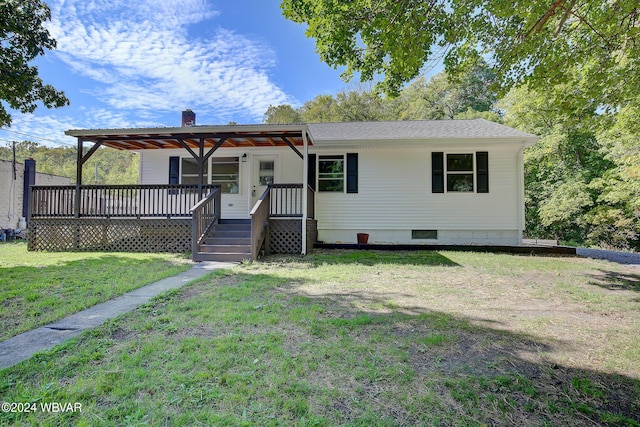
[(162, 218)]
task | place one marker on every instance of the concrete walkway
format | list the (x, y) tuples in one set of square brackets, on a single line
[(23, 346)]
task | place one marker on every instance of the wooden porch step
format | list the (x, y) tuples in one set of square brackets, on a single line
[(235, 221), (226, 257), (219, 248), (232, 227), (216, 240), (230, 240), (230, 234)]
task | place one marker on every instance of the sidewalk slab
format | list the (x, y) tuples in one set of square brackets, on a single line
[(23, 346)]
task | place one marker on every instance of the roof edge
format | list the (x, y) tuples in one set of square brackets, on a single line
[(188, 129), (527, 141)]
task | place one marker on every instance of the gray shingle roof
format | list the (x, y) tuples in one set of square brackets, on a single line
[(415, 130)]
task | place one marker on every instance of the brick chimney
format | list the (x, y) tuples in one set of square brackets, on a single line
[(188, 118)]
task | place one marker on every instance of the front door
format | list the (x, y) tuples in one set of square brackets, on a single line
[(264, 172)]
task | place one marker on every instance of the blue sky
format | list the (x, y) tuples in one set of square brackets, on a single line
[(125, 63)]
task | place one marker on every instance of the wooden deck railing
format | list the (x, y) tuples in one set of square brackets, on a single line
[(106, 201), (204, 215), (260, 223), (277, 201), (286, 201)]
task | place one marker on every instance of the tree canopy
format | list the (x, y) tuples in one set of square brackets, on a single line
[(281, 114), (533, 41), (469, 96), (23, 37)]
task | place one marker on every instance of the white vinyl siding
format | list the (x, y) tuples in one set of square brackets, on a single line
[(395, 194), (154, 169)]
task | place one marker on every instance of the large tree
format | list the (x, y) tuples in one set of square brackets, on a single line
[(581, 178), (23, 37), (524, 40)]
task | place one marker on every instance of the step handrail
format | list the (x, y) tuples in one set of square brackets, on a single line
[(260, 223), (204, 215)]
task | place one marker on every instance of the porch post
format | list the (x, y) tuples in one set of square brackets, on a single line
[(79, 163), (305, 184), (200, 168)]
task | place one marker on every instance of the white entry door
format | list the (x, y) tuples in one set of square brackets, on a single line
[(264, 173)]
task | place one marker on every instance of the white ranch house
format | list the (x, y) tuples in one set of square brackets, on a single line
[(444, 182)]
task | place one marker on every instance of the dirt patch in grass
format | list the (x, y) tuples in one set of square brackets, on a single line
[(579, 311), (541, 343)]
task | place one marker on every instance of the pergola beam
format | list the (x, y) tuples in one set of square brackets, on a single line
[(293, 147)]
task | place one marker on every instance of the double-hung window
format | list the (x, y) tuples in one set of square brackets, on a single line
[(331, 173), (460, 173), (189, 172), (225, 172), (337, 173)]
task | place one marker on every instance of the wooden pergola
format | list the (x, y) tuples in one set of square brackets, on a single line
[(200, 141)]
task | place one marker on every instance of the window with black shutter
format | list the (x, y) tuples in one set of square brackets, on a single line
[(459, 172), (336, 173)]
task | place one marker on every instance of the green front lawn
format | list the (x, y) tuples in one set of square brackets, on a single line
[(37, 288), (359, 339)]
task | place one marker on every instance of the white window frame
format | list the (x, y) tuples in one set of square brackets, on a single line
[(184, 175), (212, 181), (472, 172), (335, 157)]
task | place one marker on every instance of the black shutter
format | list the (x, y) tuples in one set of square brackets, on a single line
[(437, 172), (482, 171), (311, 171), (352, 172), (174, 170)]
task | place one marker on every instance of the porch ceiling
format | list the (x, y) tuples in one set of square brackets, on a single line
[(161, 138)]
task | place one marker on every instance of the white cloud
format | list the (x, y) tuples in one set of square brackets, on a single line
[(48, 129), (45, 130), (141, 57)]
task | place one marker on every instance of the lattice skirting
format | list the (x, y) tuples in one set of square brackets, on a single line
[(110, 235), (286, 235)]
